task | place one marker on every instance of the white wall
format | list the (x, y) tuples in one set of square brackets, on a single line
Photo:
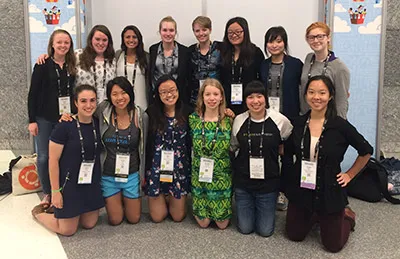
[(293, 15)]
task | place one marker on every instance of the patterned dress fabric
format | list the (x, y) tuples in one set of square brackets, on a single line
[(180, 183), (211, 200)]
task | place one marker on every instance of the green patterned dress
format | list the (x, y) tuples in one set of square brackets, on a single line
[(212, 200)]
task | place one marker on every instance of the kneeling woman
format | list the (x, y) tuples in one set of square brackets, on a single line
[(257, 135), (316, 185), (75, 171)]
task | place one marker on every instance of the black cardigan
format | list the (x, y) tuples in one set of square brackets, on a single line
[(183, 70)]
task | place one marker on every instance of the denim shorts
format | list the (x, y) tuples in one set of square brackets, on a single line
[(130, 189)]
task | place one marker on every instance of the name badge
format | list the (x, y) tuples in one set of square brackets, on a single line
[(256, 168), (206, 170), (201, 82), (308, 174), (274, 103), (86, 172), (122, 165), (167, 160), (166, 176), (236, 93), (100, 95), (64, 105)]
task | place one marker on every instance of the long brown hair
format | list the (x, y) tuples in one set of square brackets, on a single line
[(201, 107), (88, 56), (70, 59)]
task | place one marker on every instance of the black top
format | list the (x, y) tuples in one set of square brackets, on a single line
[(43, 93), (183, 70), (329, 196), (248, 74)]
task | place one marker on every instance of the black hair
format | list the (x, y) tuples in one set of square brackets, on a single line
[(331, 110), (81, 88), (272, 34), (160, 121), (247, 49), (126, 86), (258, 87), (140, 53)]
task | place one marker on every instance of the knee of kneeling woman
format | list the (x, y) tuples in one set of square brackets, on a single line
[(133, 219), (68, 231), (293, 236), (265, 233), (178, 217), (89, 225), (157, 218), (114, 221), (222, 224), (333, 247)]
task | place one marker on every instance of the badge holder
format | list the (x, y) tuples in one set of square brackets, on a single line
[(274, 103), (236, 93), (86, 172), (256, 165), (167, 166), (206, 170), (122, 167), (64, 105), (308, 178)]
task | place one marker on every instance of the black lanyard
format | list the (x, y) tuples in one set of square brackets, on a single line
[(78, 125), (173, 124), (164, 60), (117, 132), (208, 61), (261, 136), (203, 134), (134, 70), (316, 150), (233, 69), (278, 82), (325, 64), (59, 79), (104, 75)]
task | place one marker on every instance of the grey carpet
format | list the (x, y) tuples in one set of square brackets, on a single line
[(377, 235)]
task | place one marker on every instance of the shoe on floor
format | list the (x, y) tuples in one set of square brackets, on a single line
[(281, 202), (350, 215)]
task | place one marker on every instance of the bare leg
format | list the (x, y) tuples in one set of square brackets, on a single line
[(115, 209), (177, 208), (133, 209), (65, 227), (158, 208)]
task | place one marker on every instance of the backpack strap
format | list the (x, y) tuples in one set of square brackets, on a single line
[(383, 181)]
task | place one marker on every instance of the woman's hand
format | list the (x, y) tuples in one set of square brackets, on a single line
[(33, 128), (343, 179), (229, 113), (65, 117), (41, 59), (57, 200)]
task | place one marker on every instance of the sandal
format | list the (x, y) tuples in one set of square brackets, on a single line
[(46, 201), (38, 209)]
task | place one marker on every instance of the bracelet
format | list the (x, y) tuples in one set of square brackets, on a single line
[(58, 190)]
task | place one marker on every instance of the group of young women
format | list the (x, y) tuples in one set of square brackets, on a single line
[(212, 120)]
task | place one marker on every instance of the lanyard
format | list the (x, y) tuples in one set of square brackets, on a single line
[(234, 63), (117, 132), (255, 134), (173, 124), (325, 64), (78, 125), (316, 150), (208, 60), (203, 134), (104, 75), (278, 81), (59, 79), (164, 60), (134, 70)]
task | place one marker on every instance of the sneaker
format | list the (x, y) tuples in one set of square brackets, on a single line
[(350, 215), (282, 202)]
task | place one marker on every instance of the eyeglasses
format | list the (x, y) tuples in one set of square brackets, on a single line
[(237, 33), (170, 91), (318, 37)]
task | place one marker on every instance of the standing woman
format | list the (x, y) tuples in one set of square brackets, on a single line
[(281, 75), (168, 152), (132, 62), (123, 127), (211, 167), (95, 63), (322, 61), (257, 135), (49, 96), (241, 62), (316, 185), (169, 57), (205, 57), (75, 170)]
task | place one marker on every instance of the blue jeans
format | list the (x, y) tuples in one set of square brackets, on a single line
[(45, 128), (255, 212)]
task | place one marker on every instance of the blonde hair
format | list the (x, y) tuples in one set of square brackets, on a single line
[(168, 19), (203, 21), (319, 25), (201, 107)]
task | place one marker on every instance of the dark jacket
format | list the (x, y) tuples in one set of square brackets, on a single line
[(183, 70), (291, 79), (329, 196)]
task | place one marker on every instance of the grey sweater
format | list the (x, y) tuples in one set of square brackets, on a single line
[(338, 72)]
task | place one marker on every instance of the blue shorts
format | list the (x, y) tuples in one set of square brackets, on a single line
[(129, 189)]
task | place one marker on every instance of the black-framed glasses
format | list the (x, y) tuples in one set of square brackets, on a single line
[(170, 91), (318, 37), (237, 33)]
